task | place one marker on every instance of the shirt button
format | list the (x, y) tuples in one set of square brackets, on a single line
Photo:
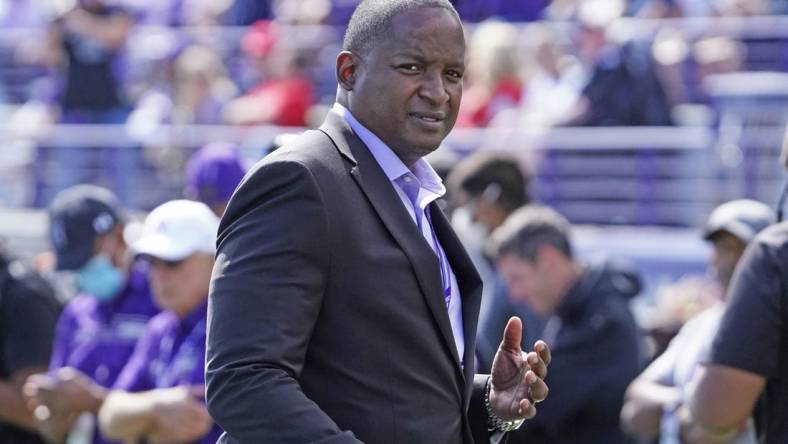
[(408, 179)]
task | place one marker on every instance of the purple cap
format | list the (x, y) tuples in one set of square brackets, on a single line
[(213, 173)]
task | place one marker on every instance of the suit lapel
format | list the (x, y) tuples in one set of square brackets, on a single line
[(381, 194), (469, 281)]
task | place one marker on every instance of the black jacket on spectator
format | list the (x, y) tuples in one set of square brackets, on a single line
[(624, 90), (28, 313), (595, 345)]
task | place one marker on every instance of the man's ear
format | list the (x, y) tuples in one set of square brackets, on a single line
[(347, 70)]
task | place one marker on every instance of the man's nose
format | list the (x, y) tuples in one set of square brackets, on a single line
[(433, 88)]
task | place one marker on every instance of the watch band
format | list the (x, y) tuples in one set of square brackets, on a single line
[(493, 421)]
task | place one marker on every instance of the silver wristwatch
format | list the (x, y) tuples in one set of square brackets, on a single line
[(493, 421)]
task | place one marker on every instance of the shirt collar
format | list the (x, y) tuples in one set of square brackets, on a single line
[(391, 164)]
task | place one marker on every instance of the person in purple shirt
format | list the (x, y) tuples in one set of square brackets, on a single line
[(158, 396), (212, 175), (97, 330)]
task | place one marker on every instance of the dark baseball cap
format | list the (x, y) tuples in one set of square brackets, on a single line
[(213, 173), (743, 218), (77, 216)]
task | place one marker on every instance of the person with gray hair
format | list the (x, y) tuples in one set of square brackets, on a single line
[(590, 329)]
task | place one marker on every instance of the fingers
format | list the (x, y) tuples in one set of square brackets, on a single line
[(512, 335), (543, 349), (527, 409), (536, 364), (537, 387)]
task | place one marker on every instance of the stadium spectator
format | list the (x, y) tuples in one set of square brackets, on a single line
[(199, 89), (85, 44), (622, 88), (97, 330), (554, 79), (592, 333), (485, 189), (749, 354), (284, 94), (28, 313), (656, 398), (212, 175), (492, 72), (158, 395)]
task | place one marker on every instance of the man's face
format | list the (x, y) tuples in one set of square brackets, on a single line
[(527, 282), (407, 88), (726, 252), (180, 286)]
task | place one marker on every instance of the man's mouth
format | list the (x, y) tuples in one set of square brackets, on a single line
[(429, 117)]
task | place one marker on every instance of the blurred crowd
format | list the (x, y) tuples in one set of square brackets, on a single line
[(146, 65), (116, 354), (109, 61)]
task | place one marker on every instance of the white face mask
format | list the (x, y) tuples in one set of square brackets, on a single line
[(472, 232)]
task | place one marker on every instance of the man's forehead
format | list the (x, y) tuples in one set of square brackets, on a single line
[(414, 38), (421, 21)]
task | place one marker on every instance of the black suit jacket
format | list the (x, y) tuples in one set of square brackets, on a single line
[(326, 320)]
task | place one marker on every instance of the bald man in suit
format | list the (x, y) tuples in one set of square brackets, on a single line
[(343, 308)]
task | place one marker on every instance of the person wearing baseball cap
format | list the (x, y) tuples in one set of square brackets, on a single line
[(164, 379), (98, 328), (655, 401), (730, 227), (212, 175), (748, 362)]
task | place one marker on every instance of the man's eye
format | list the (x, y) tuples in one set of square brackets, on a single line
[(454, 74), (410, 68)]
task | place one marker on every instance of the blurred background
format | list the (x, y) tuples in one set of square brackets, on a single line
[(631, 118)]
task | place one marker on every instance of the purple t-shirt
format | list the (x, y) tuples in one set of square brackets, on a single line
[(170, 353), (98, 338)]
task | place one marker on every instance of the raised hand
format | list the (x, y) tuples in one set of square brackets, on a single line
[(518, 378)]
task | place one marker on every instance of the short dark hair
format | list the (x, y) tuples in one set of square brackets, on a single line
[(371, 21), (530, 228), (476, 173)]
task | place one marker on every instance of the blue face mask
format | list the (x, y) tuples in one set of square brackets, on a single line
[(100, 279)]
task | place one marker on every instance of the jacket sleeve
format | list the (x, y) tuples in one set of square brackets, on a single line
[(266, 291), (477, 414)]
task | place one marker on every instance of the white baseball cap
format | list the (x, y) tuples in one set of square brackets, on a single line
[(743, 218), (177, 229)]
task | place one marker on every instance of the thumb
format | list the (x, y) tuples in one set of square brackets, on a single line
[(512, 335)]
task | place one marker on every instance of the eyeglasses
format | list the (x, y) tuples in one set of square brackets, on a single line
[(157, 262)]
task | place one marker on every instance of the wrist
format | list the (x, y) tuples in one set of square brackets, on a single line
[(494, 422)]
